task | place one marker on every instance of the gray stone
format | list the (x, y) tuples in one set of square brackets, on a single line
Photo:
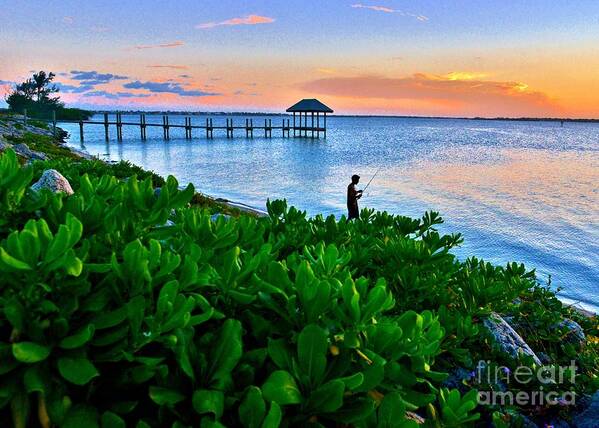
[(54, 181), (589, 418), (456, 379), (574, 332), (508, 340), (26, 152)]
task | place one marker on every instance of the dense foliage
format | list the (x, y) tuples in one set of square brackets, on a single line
[(120, 306), (38, 96)]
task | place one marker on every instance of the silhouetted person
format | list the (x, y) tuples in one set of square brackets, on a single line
[(352, 198)]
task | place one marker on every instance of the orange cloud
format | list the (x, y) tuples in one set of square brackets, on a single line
[(453, 94), (163, 45), (247, 20)]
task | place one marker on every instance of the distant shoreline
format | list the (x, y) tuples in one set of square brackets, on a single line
[(245, 113)]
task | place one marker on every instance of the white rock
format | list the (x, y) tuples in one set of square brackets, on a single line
[(54, 181), (508, 340)]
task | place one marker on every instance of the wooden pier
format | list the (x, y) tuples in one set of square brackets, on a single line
[(208, 128), (299, 128)]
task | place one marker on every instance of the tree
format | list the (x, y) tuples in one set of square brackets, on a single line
[(36, 95)]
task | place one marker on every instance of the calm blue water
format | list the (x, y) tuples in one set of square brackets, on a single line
[(523, 191)]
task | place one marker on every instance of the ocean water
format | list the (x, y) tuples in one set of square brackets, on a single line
[(516, 191)]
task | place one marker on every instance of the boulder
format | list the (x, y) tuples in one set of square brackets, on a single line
[(574, 332), (589, 417), (54, 181), (508, 340), (26, 152), (457, 377)]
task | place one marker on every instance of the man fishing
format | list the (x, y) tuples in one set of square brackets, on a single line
[(352, 198), (353, 195)]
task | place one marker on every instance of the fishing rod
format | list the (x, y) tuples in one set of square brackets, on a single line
[(368, 184)]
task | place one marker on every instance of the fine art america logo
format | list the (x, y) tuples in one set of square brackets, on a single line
[(525, 386)]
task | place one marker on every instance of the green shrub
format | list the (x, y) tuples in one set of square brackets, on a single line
[(120, 307)]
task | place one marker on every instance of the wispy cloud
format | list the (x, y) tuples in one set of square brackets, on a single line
[(246, 20), (468, 92), (115, 96), (94, 78), (384, 9), (377, 8), (99, 29), (242, 92), (167, 87), (72, 89), (175, 44), (68, 20), (174, 67)]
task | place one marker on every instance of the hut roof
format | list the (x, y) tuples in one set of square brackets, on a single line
[(309, 105)]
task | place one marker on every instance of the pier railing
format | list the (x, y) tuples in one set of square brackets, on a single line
[(206, 128)]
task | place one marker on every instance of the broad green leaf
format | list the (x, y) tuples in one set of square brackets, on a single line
[(29, 352), (111, 420), (354, 381), (78, 339), (274, 416), (77, 370), (15, 313), (281, 388), (312, 348), (12, 262), (209, 401), (278, 352), (110, 319), (227, 351), (391, 411), (327, 398), (165, 396), (252, 408)]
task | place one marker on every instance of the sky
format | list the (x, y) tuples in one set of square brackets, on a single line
[(398, 57)]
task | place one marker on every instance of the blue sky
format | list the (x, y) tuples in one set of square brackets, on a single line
[(549, 46)]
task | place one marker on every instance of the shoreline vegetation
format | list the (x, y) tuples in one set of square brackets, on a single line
[(126, 300)]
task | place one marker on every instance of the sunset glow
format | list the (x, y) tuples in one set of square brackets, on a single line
[(473, 58)]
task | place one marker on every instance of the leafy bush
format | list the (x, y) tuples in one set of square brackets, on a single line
[(121, 307)]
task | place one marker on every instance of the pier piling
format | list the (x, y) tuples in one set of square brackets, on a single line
[(119, 127), (165, 127), (106, 126)]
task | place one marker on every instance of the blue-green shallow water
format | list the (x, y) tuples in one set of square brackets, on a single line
[(517, 191)]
